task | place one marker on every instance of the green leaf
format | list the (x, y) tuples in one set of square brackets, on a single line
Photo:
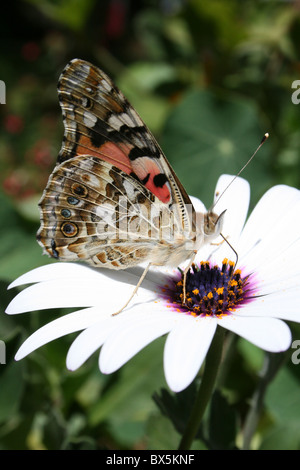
[(147, 76), (139, 83), (129, 397), (222, 423), (161, 434), (283, 398), (177, 407), (29, 208), (282, 437), (283, 405), (252, 354), (23, 254), (11, 389), (72, 13), (207, 135), (19, 250)]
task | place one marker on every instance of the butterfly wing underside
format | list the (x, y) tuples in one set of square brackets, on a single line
[(113, 199)]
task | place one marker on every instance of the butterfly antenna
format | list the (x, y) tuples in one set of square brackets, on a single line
[(234, 251), (265, 137)]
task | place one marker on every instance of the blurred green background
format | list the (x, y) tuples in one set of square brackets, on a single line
[(209, 79)]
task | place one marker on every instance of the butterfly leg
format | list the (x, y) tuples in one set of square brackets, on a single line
[(185, 274), (135, 290), (217, 244)]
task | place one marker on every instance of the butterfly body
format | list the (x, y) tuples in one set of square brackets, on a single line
[(113, 199)]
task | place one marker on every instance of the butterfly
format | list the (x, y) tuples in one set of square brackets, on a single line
[(113, 200)]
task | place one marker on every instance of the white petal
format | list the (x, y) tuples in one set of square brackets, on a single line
[(74, 321), (90, 340), (267, 213), (55, 271), (235, 201), (282, 265), (185, 350), (278, 245), (157, 277), (284, 305), (198, 205), (101, 291), (278, 285), (270, 334), (129, 338)]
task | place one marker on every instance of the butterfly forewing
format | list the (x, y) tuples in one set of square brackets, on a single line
[(113, 199), (100, 121)]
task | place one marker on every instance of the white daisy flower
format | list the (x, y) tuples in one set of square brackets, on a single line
[(252, 302)]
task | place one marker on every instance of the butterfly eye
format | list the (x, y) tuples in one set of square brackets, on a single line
[(213, 223), (209, 223)]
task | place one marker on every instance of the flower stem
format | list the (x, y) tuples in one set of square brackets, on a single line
[(212, 362)]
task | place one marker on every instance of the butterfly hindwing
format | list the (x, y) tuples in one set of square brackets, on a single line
[(95, 212)]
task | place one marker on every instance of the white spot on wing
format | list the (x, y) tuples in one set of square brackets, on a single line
[(118, 120), (89, 119), (106, 85), (129, 188), (127, 120), (85, 68)]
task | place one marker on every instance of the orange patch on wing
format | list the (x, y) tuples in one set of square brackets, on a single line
[(162, 193), (109, 152), (148, 167), (117, 155)]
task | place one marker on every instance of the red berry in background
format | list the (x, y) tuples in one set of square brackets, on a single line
[(12, 185), (13, 124), (43, 158), (30, 51)]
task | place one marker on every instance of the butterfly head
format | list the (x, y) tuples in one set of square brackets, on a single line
[(213, 225)]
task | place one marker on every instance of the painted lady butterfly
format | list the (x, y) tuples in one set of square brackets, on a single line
[(113, 199)]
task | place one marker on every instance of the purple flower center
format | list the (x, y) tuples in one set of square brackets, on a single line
[(211, 290)]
